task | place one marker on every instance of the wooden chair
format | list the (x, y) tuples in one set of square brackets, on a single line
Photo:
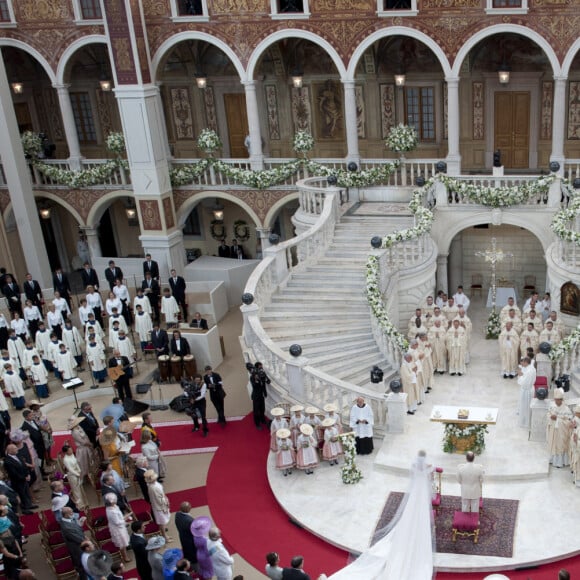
[(436, 500), (64, 570), (476, 285), (529, 285), (466, 524)]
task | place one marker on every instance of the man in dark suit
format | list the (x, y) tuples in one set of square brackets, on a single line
[(224, 250), (73, 535), (152, 291), (141, 466), (160, 340), (107, 486), (3, 276), (61, 284), (90, 425), (151, 266), (236, 251), (138, 544), (31, 426), (19, 475), (12, 294), (179, 346), (177, 284), (295, 572), (183, 524), (198, 322), (113, 273), (259, 379), (89, 276), (33, 292), (217, 394), (122, 381)]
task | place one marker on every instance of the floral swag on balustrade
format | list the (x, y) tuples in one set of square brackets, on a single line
[(115, 142)]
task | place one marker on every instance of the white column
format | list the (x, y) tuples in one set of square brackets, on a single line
[(453, 158), (70, 128), (93, 242), (256, 153), (350, 122), (442, 277), (20, 187), (559, 122)]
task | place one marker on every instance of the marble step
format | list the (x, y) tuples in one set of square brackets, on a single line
[(351, 291), (326, 341), (293, 332), (347, 352), (332, 270), (309, 317), (347, 367), (316, 297), (348, 261)]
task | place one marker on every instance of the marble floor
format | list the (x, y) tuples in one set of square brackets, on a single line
[(515, 469)]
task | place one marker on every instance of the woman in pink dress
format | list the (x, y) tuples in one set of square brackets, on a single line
[(331, 412), (314, 420), (159, 503), (279, 422), (296, 420), (117, 525), (285, 455), (332, 448), (307, 453)]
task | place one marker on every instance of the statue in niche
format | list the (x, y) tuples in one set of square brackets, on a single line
[(570, 299)]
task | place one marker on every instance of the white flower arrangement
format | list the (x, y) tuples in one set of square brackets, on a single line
[(303, 142), (562, 348), (562, 223), (493, 328), (209, 141), (349, 472), (453, 431), (402, 138), (116, 143), (31, 143)]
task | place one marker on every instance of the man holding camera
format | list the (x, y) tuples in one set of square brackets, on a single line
[(196, 392), (217, 394), (259, 379)]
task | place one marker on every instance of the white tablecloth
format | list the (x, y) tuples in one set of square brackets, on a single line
[(448, 414), (501, 297)]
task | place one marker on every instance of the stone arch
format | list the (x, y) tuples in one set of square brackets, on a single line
[(32, 52), (444, 234), (278, 206), (71, 49), (514, 29), (102, 204), (397, 31), (56, 199), (569, 58), (294, 33), (193, 200), (193, 35)]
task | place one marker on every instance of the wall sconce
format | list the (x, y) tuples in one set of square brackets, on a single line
[(400, 79), (218, 211), (106, 84), (503, 73), (297, 76), (45, 213), (201, 80), (131, 213), (17, 88)]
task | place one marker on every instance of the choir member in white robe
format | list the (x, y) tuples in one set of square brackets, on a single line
[(456, 349), (94, 326), (450, 311), (169, 307), (437, 337), (29, 353), (279, 422), (143, 324), (526, 380), (13, 386), (16, 349), (306, 450), (529, 339), (3, 330), (113, 302), (575, 447), (66, 363), (52, 352), (4, 361), (408, 372), (39, 376), (74, 342), (549, 334), (18, 325), (84, 311), (143, 301), (116, 317), (509, 345), (41, 341), (558, 430), (361, 422), (54, 320), (125, 347), (460, 299), (332, 448), (74, 476), (96, 359), (114, 335), (61, 305)]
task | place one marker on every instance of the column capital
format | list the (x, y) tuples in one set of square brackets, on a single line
[(61, 86), (348, 83), (250, 84), (452, 81), (560, 78)]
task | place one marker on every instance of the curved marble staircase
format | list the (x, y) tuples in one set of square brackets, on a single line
[(323, 307)]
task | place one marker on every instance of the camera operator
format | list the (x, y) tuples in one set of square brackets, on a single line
[(196, 392), (259, 379)]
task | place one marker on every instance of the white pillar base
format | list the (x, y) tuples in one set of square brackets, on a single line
[(396, 412), (453, 165), (498, 171), (539, 420), (168, 251)]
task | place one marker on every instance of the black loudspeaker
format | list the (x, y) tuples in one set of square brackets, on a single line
[(143, 388), (563, 382), (133, 407)]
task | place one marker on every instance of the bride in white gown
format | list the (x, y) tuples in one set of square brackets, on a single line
[(405, 550)]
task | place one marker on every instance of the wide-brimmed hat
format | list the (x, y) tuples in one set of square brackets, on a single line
[(36, 402), (558, 393), (150, 476), (277, 412), (17, 435), (328, 422), (126, 427), (311, 410), (285, 433), (200, 526), (306, 429), (330, 407), (99, 563), (155, 543), (108, 435), (74, 422), (295, 408), (59, 501)]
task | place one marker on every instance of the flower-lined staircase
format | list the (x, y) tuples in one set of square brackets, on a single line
[(323, 307)]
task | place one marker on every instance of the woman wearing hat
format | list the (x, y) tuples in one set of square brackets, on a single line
[(332, 448), (159, 503), (85, 452), (285, 454), (150, 450), (73, 473), (296, 420), (331, 412), (199, 530), (117, 525), (27, 454), (99, 564), (314, 421), (307, 455), (110, 448), (279, 422), (155, 558), (42, 421)]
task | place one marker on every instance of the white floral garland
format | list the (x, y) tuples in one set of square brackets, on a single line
[(565, 346), (349, 472), (561, 223)]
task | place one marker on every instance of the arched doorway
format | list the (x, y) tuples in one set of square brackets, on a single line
[(279, 218)]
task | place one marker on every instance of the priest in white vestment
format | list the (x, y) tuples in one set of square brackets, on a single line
[(456, 349), (437, 337), (526, 380), (511, 305), (558, 430), (460, 299), (361, 422), (509, 344), (408, 372)]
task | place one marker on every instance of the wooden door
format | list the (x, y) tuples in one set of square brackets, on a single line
[(512, 128), (237, 118)]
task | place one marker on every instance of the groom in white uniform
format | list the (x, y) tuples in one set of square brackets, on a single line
[(470, 477)]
